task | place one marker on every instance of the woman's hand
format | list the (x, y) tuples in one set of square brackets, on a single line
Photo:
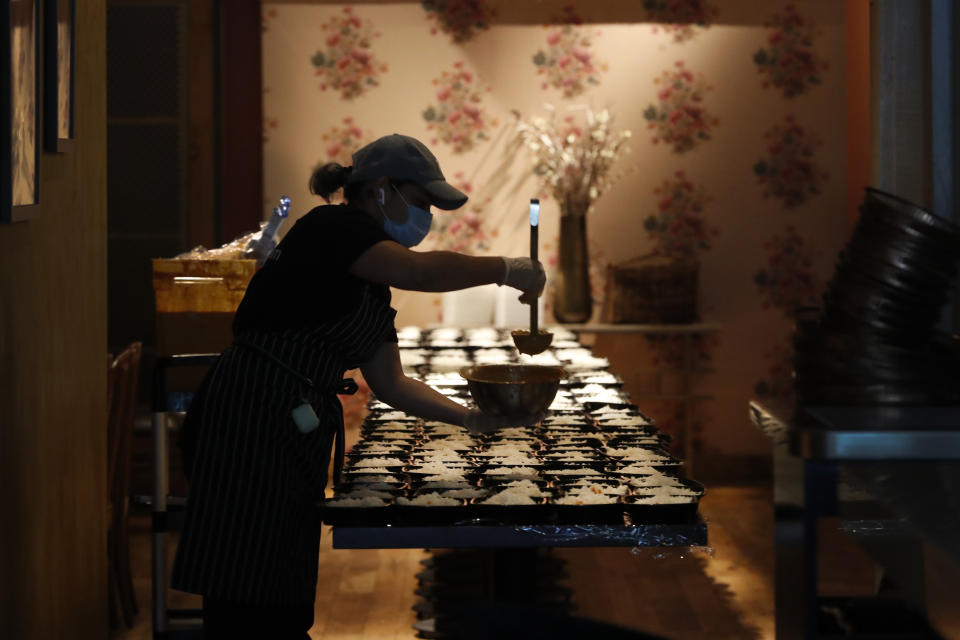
[(478, 422), (526, 275)]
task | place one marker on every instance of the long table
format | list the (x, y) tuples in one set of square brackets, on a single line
[(595, 442), (598, 471)]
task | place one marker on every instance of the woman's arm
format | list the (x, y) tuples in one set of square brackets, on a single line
[(392, 264), (384, 374)]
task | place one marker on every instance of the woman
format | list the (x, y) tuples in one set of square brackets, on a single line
[(258, 438)]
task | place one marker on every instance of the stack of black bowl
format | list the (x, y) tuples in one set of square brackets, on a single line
[(875, 341)]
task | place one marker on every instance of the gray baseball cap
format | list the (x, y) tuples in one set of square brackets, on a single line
[(401, 157)]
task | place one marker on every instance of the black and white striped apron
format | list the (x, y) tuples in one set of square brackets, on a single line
[(252, 526)]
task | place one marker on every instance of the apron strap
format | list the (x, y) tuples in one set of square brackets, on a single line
[(346, 387)]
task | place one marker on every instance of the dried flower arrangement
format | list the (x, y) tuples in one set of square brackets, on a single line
[(574, 157)]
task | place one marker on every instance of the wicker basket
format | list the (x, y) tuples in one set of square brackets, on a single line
[(651, 290)]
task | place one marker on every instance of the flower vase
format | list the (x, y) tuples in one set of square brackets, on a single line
[(572, 301)]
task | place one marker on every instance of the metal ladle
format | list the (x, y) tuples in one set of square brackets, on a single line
[(534, 341)]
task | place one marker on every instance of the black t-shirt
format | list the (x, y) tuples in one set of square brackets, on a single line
[(307, 281)]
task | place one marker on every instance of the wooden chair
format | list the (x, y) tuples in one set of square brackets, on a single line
[(122, 376)]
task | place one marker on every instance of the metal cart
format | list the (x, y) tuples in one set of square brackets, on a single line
[(168, 510)]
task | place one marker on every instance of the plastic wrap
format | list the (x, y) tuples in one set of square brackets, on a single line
[(233, 250), (654, 535)]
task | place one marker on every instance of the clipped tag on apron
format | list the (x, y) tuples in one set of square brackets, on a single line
[(305, 418)]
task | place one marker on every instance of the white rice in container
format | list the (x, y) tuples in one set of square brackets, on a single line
[(433, 467), (497, 450), (376, 448), (446, 333), (632, 421), (573, 471), (481, 333), (635, 454), (515, 432), (639, 469), (391, 425), (586, 495), (528, 487), (663, 499), (346, 503), (524, 472), (429, 500), (363, 463), (409, 332), (460, 442), (510, 496), (576, 455), (591, 389), (599, 487), (397, 415), (516, 460), (447, 475), (466, 493), (444, 429)]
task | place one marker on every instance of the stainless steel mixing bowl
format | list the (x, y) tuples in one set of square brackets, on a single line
[(513, 390)]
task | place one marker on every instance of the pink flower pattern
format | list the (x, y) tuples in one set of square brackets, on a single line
[(340, 141), (567, 60), (778, 381), (461, 19), (679, 117), (348, 64), (789, 172), (788, 281), (680, 18), (464, 230), (458, 118), (678, 228), (787, 59)]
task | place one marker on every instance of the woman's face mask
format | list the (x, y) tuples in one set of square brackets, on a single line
[(414, 230)]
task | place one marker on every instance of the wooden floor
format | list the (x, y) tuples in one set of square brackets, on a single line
[(723, 592)]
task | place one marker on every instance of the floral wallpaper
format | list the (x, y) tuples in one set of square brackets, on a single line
[(460, 19), (457, 118), (788, 280), (788, 60), (789, 170), (682, 19), (679, 228), (736, 141), (341, 140), (566, 60), (467, 232), (347, 63), (679, 117)]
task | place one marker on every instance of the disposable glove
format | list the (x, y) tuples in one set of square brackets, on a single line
[(525, 275)]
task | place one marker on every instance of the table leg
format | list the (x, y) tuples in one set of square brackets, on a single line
[(795, 541)]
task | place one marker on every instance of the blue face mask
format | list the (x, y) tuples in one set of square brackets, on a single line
[(414, 230)]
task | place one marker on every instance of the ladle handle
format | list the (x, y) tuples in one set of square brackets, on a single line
[(535, 305)]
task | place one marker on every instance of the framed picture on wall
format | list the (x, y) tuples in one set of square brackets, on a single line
[(19, 110), (58, 73)]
